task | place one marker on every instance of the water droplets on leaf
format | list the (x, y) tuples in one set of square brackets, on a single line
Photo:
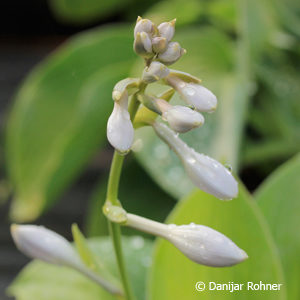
[(147, 261), (138, 145), (137, 242), (161, 151)]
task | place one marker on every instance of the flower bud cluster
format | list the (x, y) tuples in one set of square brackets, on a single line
[(199, 243), (151, 41), (155, 45)]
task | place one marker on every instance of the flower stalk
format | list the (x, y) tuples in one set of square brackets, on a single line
[(112, 198)]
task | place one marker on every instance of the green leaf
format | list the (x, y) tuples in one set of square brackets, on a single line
[(210, 57), (85, 11), (59, 117), (278, 198), (42, 281), (138, 194), (174, 276), (83, 249)]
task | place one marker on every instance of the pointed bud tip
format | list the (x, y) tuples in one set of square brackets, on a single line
[(139, 18), (244, 255), (173, 22), (116, 95)]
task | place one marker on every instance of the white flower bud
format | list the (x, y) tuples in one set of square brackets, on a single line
[(144, 25), (182, 119), (194, 94), (199, 243), (167, 29), (120, 132), (155, 72), (159, 44), (142, 45), (44, 244), (41, 243), (205, 172), (171, 54)]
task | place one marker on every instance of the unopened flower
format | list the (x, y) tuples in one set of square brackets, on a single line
[(120, 132), (44, 244), (155, 72), (199, 243), (159, 44), (142, 45), (144, 25), (205, 172), (194, 94), (167, 29), (171, 54), (182, 119), (41, 243)]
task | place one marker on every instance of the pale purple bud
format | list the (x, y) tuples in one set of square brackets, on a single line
[(142, 45), (44, 244), (144, 25), (199, 243), (120, 132), (171, 54), (182, 119), (155, 72), (41, 243), (167, 29), (194, 94), (206, 173), (159, 44)]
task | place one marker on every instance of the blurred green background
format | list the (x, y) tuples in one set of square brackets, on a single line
[(55, 157)]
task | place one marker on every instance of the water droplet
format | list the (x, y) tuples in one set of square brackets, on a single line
[(137, 242), (228, 167), (175, 174), (161, 151), (146, 261), (191, 160), (192, 225), (189, 91), (182, 84), (171, 226)]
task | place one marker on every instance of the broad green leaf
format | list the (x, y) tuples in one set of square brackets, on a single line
[(210, 56), (59, 117), (41, 281), (85, 11), (173, 276), (138, 194), (278, 198)]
